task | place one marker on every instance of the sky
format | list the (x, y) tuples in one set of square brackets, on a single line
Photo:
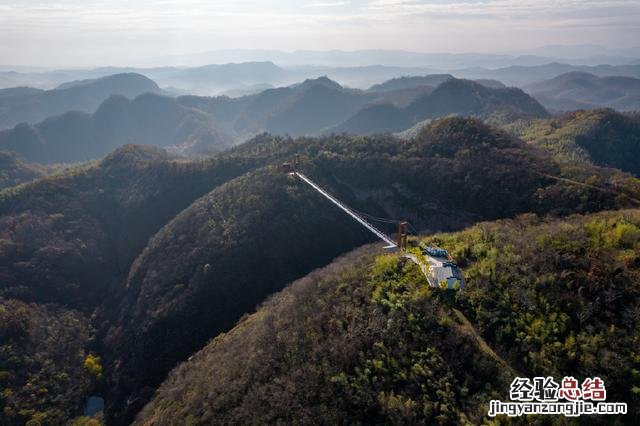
[(134, 32)]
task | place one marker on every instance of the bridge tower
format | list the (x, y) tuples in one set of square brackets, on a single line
[(402, 236)]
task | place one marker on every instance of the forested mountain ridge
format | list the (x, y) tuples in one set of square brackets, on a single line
[(579, 90), (148, 119), (252, 235), (43, 357), (353, 342), (193, 125), (519, 75), (189, 124), (432, 80), (452, 97), (152, 247), (32, 105), (321, 105), (14, 171), (298, 110), (603, 137), (66, 243), (468, 98), (86, 225), (365, 339)]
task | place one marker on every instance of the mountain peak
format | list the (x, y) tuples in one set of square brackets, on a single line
[(574, 75), (129, 79), (320, 81), (128, 155), (411, 81), (458, 83)]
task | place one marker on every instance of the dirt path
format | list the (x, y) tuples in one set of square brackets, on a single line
[(468, 328)]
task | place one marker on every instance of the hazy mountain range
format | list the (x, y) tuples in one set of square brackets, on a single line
[(580, 90), (521, 76), (148, 119), (199, 125), (575, 55), (248, 77), (452, 97), (603, 137), (32, 105)]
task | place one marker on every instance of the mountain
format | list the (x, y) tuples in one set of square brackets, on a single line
[(32, 106), (89, 222), (315, 108), (578, 90), (413, 131), (218, 78), (430, 81), (365, 340), (148, 119), (459, 97), (524, 75), (602, 137), (411, 82), (492, 84), (203, 288), (160, 254), (301, 109), (383, 118), (15, 93), (471, 98), (66, 241), (360, 341), (14, 171), (360, 77), (583, 51), (236, 73), (196, 124), (93, 220), (249, 237)]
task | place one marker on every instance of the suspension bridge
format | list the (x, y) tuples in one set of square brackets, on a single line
[(436, 265)]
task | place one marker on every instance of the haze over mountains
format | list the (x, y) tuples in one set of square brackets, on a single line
[(453, 97), (579, 90), (192, 125), (147, 120), (197, 125), (154, 253), (30, 105), (574, 55), (239, 73)]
